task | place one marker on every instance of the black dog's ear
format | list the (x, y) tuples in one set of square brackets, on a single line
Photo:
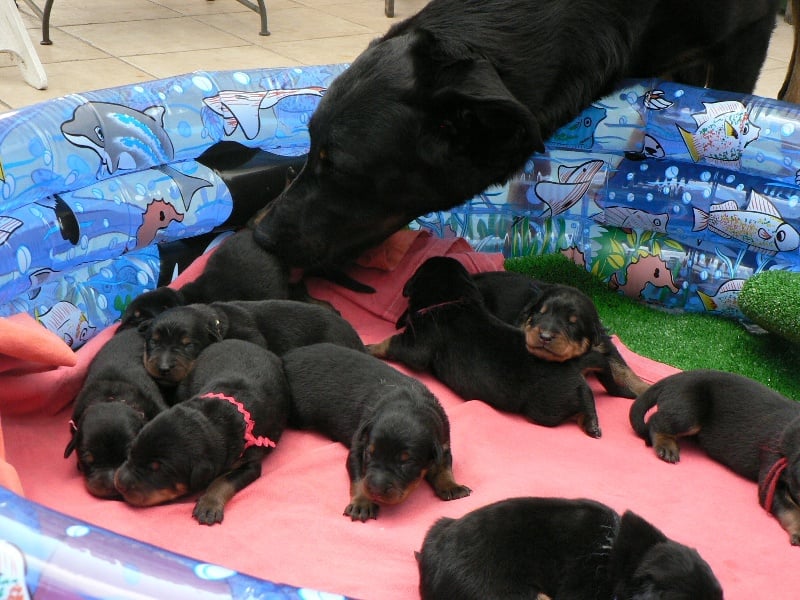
[(474, 119), (636, 536)]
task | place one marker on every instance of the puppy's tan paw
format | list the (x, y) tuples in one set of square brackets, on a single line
[(666, 447), (381, 349), (361, 509), (208, 511), (454, 492)]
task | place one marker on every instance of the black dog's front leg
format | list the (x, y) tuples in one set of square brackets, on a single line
[(210, 507), (403, 348), (361, 507)]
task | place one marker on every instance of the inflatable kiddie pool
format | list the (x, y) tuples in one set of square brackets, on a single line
[(673, 194)]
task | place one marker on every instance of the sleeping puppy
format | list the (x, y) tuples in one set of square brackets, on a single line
[(449, 333), (542, 548), (396, 430), (239, 269), (116, 400), (739, 422), (213, 442), (175, 338), (560, 323)]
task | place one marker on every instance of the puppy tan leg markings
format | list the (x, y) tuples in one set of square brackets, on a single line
[(210, 507), (444, 484), (666, 447), (381, 349), (789, 518), (625, 376), (361, 507)]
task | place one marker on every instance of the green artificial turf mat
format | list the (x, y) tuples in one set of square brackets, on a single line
[(772, 300), (683, 340)]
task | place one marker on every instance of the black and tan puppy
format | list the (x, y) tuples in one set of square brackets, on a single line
[(214, 441), (542, 548), (739, 422), (116, 400), (175, 338), (450, 333), (560, 323), (396, 430), (239, 269)]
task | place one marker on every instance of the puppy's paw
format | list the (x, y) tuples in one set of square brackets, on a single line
[(795, 539), (208, 511), (361, 509), (380, 349), (454, 492), (666, 447)]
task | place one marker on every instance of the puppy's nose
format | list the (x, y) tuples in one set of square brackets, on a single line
[(546, 337)]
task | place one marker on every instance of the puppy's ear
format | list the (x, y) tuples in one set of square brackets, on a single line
[(474, 119), (71, 445), (636, 536)]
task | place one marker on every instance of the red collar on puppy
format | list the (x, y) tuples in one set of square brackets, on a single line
[(771, 481), (249, 424)]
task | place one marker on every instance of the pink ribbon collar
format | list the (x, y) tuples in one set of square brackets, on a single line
[(249, 425)]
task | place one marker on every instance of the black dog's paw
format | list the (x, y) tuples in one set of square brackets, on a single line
[(361, 509), (208, 511), (795, 539), (454, 493)]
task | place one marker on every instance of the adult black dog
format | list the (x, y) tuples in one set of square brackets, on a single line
[(449, 333), (457, 97), (739, 422), (176, 337), (396, 430), (116, 400), (558, 548), (232, 413), (560, 323)]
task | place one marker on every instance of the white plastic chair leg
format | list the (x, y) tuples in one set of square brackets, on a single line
[(14, 39)]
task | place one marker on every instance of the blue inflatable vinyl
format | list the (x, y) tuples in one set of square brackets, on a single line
[(44, 554)]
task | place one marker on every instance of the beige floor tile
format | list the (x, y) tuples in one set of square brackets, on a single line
[(146, 37), (288, 24), (68, 78), (324, 51), (82, 12), (205, 7), (221, 59)]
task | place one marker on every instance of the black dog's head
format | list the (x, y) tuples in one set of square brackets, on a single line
[(148, 305), (414, 125), (646, 565), (440, 280), (101, 437), (398, 447), (173, 455), (562, 323), (175, 338)]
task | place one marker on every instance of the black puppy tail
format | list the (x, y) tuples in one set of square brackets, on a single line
[(639, 408)]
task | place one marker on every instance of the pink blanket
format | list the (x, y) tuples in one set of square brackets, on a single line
[(288, 526)]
